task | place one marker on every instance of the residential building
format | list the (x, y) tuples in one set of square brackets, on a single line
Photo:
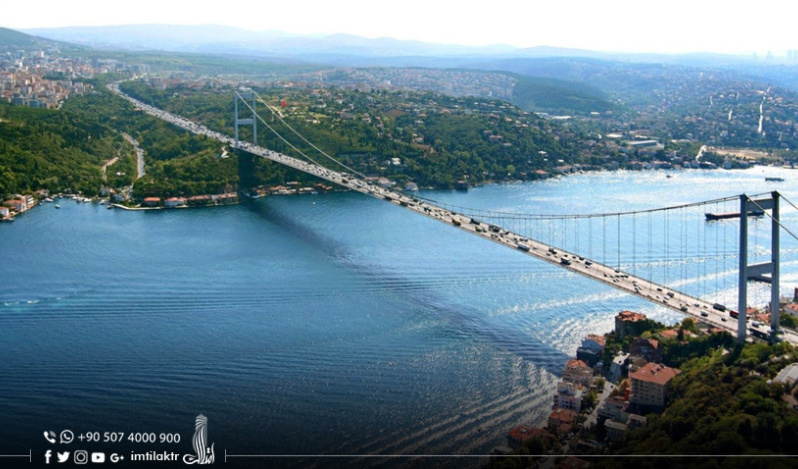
[(669, 334), (569, 396), (523, 433), (614, 407), (591, 349), (636, 421), (18, 205), (173, 202), (577, 371), (199, 200), (629, 323), (594, 342), (228, 198), (614, 429), (618, 367), (152, 201), (650, 385), (646, 348), (561, 421)]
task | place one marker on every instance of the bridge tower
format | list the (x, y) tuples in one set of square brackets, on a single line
[(245, 95), (748, 272)]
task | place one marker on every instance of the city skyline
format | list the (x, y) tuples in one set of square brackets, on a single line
[(611, 26)]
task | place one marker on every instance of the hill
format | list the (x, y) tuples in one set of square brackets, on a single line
[(558, 96), (10, 37)]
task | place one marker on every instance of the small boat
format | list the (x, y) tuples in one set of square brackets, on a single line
[(57, 206), (774, 179)]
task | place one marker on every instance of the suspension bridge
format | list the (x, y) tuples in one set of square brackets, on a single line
[(652, 254)]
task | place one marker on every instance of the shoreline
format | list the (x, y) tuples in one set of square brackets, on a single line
[(478, 185), (139, 208)]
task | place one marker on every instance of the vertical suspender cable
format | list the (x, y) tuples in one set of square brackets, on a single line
[(634, 245), (619, 242), (604, 239), (650, 246)]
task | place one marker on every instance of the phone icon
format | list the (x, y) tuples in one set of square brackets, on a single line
[(49, 436)]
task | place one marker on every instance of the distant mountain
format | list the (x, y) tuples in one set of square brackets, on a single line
[(175, 38), (617, 76), (229, 40)]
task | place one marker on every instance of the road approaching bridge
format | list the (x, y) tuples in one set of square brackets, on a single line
[(664, 296)]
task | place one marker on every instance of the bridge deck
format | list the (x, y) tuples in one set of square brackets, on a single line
[(650, 291)]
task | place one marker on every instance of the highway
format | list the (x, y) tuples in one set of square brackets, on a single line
[(139, 155), (698, 309)]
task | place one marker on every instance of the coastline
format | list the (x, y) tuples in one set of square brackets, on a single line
[(140, 208), (281, 191)]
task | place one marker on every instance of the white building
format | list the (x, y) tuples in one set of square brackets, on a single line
[(569, 396), (788, 376)]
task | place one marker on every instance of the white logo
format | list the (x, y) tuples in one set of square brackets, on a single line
[(63, 457), (67, 437), (81, 456), (205, 454)]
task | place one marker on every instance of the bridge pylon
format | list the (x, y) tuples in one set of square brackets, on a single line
[(748, 272), (245, 95)]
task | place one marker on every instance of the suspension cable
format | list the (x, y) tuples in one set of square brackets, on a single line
[(487, 213), (304, 139), (277, 133), (771, 217)]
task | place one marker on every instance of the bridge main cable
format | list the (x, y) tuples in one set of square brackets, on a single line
[(643, 288)]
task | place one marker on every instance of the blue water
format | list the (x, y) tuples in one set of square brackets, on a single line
[(333, 324)]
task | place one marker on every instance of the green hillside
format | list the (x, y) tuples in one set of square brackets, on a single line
[(9, 37), (559, 96)]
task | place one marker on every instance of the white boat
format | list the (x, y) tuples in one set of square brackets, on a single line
[(57, 206)]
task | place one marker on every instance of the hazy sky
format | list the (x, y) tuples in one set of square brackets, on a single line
[(609, 25)]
